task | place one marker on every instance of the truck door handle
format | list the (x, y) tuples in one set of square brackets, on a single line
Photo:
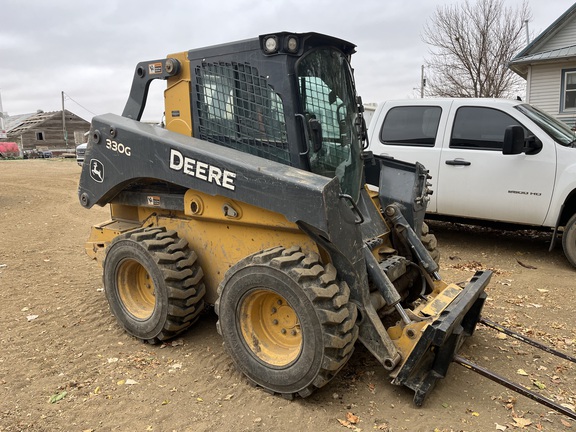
[(458, 162)]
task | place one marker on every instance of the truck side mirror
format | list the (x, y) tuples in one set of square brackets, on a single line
[(533, 145), (513, 140)]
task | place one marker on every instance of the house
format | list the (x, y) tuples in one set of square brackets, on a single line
[(48, 131), (548, 64)]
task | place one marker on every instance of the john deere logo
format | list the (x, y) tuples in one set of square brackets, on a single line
[(96, 170)]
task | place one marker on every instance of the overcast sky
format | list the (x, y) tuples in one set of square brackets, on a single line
[(89, 49)]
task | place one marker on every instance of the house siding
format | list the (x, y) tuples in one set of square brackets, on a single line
[(546, 88), (564, 38)]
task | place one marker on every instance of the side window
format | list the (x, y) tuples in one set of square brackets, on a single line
[(480, 128), (411, 126), (568, 96)]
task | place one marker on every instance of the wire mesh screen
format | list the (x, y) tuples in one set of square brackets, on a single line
[(237, 109)]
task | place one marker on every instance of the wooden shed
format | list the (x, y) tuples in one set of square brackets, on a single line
[(49, 131)]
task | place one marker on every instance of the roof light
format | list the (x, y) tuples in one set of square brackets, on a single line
[(270, 44), (292, 44)]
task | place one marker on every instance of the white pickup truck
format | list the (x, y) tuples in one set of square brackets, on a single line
[(493, 160)]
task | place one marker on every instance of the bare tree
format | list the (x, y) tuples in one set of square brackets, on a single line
[(471, 45)]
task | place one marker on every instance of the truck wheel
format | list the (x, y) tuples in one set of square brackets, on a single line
[(430, 243), (286, 321), (153, 284), (569, 240)]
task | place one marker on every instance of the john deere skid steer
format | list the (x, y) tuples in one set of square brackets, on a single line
[(258, 198)]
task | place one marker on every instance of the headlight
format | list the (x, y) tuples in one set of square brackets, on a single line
[(292, 44), (270, 44)]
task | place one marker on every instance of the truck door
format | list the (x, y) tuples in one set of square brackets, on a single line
[(476, 180), (412, 133)]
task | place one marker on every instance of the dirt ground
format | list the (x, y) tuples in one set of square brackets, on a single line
[(65, 365)]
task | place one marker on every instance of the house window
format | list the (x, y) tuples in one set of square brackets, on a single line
[(568, 89), (39, 136)]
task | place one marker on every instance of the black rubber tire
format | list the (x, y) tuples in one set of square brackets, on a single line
[(153, 284), (569, 240), (325, 319), (430, 242)]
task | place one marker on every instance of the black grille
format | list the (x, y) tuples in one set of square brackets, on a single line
[(238, 109)]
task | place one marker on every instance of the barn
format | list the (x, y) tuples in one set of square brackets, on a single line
[(58, 132)]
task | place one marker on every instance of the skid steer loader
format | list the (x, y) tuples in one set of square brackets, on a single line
[(258, 198)]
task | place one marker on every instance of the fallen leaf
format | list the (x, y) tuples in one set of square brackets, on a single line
[(165, 402), (476, 414), (500, 427), (522, 372), (349, 425), (542, 290), (57, 397), (352, 418), (522, 422), (229, 397), (528, 266), (539, 384), (131, 382), (565, 423), (31, 317)]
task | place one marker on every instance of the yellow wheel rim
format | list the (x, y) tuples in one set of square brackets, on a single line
[(270, 327), (136, 289)]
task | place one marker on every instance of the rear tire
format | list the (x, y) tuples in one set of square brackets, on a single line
[(153, 284), (286, 321), (569, 240)]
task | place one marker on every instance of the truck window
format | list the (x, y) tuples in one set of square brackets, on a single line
[(481, 128), (411, 126)]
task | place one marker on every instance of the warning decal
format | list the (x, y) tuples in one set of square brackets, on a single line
[(155, 68)]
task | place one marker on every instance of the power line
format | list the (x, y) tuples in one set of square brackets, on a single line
[(68, 97)]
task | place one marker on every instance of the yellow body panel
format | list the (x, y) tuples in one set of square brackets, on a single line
[(219, 240), (177, 98)]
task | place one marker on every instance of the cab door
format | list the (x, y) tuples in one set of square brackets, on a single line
[(477, 181)]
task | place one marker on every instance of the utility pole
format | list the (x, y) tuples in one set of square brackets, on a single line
[(3, 134), (65, 133), (422, 83)]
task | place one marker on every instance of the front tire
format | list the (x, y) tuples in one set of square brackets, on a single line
[(153, 284), (569, 240), (286, 321), (430, 242)]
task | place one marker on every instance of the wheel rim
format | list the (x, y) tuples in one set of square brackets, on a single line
[(270, 327), (136, 289)]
